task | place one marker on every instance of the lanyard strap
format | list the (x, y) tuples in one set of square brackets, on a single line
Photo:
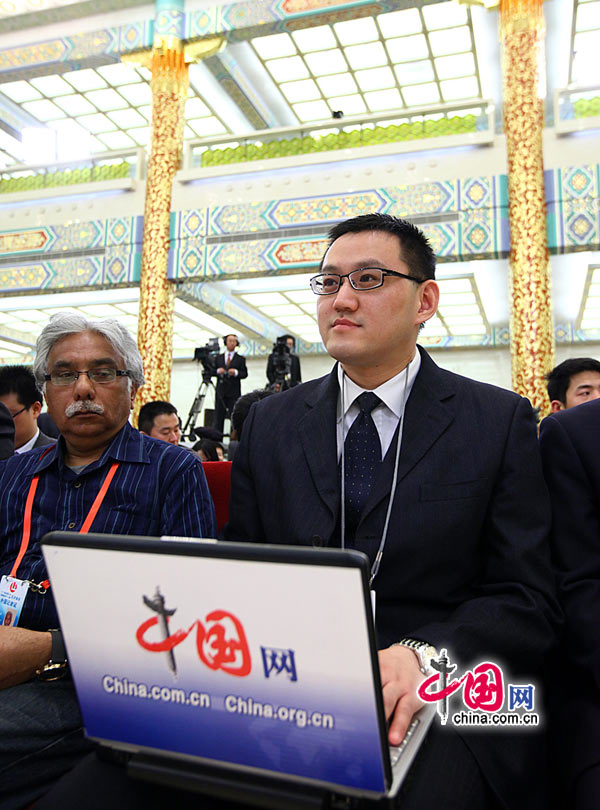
[(86, 523)]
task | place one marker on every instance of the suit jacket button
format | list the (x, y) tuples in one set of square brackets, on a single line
[(317, 540)]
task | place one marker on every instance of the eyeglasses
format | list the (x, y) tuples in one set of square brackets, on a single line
[(96, 375), (365, 278), (19, 412)]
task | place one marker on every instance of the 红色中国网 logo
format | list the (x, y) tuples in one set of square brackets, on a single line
[(221, 642), (483, 694)]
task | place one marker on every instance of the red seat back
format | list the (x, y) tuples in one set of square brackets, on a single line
[(218, 478)]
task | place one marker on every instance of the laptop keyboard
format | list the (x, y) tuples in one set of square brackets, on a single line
[(396, 751)]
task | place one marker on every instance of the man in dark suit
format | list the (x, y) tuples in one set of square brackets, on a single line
[(281, 377), (231, 368), (7, 433), (20, 394), (570, 445), (463, 564)]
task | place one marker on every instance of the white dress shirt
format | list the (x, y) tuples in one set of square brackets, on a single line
[(393, 395), (28, 445)]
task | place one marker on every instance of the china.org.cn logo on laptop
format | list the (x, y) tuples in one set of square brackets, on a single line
[(220, 638), (483, 695)]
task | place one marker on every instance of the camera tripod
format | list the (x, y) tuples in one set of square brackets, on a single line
[(196, 409)]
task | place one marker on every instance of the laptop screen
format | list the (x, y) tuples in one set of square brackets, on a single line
[(250, 656)]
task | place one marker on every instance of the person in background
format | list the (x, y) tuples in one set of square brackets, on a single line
[(160, 420), (231, 369), (20, 394), (573, 382)]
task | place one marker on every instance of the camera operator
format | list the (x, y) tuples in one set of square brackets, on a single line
[(283, 365), (231, 368)]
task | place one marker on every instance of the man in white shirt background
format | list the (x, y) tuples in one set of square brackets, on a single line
[(20, 394)]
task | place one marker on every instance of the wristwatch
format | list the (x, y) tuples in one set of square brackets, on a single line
[(424, 652), (57, 665)]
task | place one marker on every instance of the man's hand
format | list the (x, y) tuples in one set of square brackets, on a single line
[(221, 370), (400, 679), (22, 652), (232, 372)]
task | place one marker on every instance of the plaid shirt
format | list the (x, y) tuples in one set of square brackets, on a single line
[(158, 489)]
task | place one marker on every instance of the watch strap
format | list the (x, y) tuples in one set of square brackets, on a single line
[(422, 649)]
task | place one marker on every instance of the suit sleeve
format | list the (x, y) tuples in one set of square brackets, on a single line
[(242, 370), (514, 614), (575, 541), (244, 522)]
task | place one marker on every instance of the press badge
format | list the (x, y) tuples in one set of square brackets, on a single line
[(12, 595)]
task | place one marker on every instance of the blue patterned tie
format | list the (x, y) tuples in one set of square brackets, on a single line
[(362, 455)]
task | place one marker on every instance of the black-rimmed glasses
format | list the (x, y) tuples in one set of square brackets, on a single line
[(365, 278), (96, 375)]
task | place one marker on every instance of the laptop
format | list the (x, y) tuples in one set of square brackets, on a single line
[(244, 671)]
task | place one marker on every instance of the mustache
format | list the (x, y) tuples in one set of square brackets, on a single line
[(83, 406)]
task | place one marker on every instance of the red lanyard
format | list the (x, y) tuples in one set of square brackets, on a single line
[(86, 523)]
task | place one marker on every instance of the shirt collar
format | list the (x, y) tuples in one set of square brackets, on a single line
[(127, 445), (28, 445), (391, 392)]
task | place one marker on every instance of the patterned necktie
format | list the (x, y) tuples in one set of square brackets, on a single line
[(362, 455)]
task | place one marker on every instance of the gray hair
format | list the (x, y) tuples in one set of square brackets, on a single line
[(70, 323)]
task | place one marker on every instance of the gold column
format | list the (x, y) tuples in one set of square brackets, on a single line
[(531, 330), (155, 328)]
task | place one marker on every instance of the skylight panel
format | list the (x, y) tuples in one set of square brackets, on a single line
[(455, 89), (468, 330), (75, 105), (12, 350), (312, 111), (383, 100), (301, 296), (51, 86), (19, 91), (107, 100), (119, 73), (314, 39), (141, 135), (100, 311), (264, 299), (414, 72), (452, 67), (146, 111), (288, 68), (43, 110), (203, 127), (84, 80), (325, 62), (280, 311), (375, 78), (451, 299), (444, 15), (352, 32), (588, 17), (341, 84), (455, 285), (407, 49), (400, 23), (421, 94), (350, 105), (127, 118), (366, 56), (274, 45), (96, 123), (116, 140), (137, 94), (196, 108), (305, 90), (452, 40)]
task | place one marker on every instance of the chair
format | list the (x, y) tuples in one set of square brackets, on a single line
[(218, 478)]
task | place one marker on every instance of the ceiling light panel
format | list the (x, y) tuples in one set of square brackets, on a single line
[(119, 73), (396, 60), (20, 91), (51, 86), (43, 110), (84, 80), (106, 100), (137, 94), (75, 105), (314, 39)]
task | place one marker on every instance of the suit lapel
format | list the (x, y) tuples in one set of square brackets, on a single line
[(317, 430), (429, 412)]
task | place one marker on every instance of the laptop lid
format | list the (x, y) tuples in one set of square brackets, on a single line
[(256, 658)]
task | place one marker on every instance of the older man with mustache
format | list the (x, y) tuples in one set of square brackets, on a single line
[(103, 476)]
